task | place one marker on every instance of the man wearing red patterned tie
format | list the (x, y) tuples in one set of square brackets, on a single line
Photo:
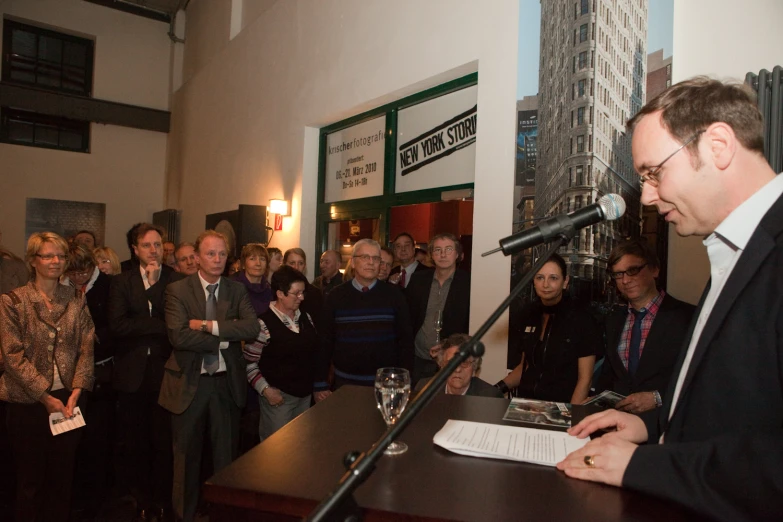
[(405, 252)]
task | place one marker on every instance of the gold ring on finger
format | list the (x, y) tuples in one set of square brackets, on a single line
[(589, 462)]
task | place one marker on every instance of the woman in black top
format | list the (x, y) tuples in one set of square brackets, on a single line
[(281, 362), (559, 342)]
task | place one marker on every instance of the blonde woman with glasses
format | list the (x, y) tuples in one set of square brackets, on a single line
[(46, 345)]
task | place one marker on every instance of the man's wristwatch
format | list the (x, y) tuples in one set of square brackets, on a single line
[(658, 401), (203, 326)]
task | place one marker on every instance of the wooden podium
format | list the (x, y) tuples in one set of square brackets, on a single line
[(286, 476)]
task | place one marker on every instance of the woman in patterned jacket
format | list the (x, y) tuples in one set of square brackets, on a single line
[(46, 343)]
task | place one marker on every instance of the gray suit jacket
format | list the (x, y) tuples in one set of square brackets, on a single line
[(185, 300), (13, 274)]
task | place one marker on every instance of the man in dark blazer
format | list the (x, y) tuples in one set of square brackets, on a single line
[(444, 291), (138, 326), (205, 383), (717, 444), (405, 252), (93, 467), (644, 338)]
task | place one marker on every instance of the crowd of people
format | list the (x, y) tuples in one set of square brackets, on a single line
[(179, 359), (183, 358), (189, 354)]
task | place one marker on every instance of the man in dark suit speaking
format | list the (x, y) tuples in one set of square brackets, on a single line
[(717, 444), (204, 384), (644, 338)]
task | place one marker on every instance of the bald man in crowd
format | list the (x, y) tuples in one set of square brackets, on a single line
[(330, 272)]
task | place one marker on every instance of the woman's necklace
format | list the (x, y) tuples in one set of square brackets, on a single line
[(46, 296)]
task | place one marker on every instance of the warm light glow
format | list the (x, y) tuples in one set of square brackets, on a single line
[(278, 206)]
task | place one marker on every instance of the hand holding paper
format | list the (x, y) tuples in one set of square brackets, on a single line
[(60, 424)]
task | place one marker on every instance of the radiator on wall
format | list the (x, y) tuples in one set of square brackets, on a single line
[(170, 220), (769, 88)]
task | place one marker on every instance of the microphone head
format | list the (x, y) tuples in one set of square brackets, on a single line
[(612, 205)]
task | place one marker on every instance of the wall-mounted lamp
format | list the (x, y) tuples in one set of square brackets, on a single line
[(279, 206)]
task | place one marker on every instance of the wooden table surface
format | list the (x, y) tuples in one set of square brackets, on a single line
[(285, 477)]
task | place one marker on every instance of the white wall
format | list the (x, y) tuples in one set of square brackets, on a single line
[(246, 119), (724, 39), (125, 171), (126, 168)]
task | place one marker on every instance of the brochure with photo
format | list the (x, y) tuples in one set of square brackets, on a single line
[(605, 400), (540, 413)]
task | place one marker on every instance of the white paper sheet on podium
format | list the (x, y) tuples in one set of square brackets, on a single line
[(59, 424), (494, 441)]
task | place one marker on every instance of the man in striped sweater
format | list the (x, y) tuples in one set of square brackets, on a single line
[(366, 326)]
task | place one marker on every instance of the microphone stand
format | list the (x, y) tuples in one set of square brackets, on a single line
[(339, 504)]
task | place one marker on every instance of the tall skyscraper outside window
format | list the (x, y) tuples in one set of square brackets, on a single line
[(592, 78)]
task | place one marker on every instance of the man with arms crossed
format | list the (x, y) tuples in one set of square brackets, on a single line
[(204, 383), (717, 444)]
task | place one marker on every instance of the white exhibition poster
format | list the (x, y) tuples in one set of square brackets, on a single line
[(436, 142), (355, 161)]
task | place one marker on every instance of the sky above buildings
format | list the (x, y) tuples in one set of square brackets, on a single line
[(659, 36)]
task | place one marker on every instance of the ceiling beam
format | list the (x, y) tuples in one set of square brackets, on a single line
[(135, 9)]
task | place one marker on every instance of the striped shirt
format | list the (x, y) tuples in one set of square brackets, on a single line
[(252, 351)]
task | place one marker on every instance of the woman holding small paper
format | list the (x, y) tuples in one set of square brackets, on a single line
[(46, 344)]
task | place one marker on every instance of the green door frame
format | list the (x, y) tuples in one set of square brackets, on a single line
[(379, 207)]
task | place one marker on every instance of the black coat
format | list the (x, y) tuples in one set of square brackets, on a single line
[(135, 330), (723, 446), (661, 349), (551, 370), (419, 268), (98, 303), (456, 310)]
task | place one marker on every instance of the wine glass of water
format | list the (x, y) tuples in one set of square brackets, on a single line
[(392, 389), (438, 325)]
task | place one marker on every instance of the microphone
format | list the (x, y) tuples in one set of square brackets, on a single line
[(609, 208)]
